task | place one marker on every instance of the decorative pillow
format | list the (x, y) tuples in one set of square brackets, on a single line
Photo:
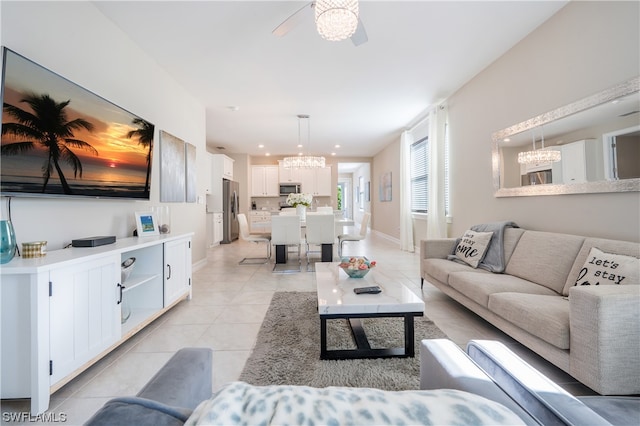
[(607, 268), (241, 404), (472, 247)]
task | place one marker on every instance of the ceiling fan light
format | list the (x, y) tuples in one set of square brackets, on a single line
[(336, 19)]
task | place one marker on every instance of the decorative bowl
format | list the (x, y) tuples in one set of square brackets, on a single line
[(126, 268), (356, 267)]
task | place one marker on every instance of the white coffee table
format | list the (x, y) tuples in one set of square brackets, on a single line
[(336, 299)]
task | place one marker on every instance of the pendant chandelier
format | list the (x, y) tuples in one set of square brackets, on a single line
[(304, 161), (336, 19), (538, 156)]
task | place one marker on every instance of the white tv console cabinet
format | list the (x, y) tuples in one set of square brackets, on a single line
[(61, 313)]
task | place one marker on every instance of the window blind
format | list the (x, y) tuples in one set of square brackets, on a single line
[(419, 176)]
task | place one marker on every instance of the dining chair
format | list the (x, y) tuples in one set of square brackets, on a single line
[(320, 231), (246, 235), (354, 237), (285, 233)]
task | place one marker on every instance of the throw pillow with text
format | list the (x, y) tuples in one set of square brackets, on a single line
[(607, 268), (473, 246)]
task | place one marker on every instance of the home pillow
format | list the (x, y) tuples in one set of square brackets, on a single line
[(472, 247), (607, 268)]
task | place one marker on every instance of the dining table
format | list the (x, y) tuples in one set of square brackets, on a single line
[(326, 250)]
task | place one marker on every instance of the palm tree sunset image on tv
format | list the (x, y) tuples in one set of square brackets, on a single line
[(59, 139)]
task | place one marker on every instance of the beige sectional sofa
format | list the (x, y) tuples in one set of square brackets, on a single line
[(591, 332)]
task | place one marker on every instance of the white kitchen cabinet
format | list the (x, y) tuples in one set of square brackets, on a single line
[(221, 168), (582, 161), (264, 181), (223, 165), (260, 221), (61, 313), (316, 182), (288, 175), (323, 182), (218, 229)]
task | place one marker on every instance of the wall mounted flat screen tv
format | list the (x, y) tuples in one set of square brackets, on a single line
[(61, 140)]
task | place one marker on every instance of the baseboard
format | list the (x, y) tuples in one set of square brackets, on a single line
[(386, 237), (198, 265)]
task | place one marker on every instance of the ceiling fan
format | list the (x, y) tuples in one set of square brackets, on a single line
[(306, 13)]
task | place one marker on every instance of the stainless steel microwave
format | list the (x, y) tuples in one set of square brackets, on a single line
[(290, 188)]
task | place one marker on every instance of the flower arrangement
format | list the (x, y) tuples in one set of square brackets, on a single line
[(296, 200), (357, 267)]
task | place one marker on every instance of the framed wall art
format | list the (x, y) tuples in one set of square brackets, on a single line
[(146, 224), (385, 187), (172, 169), (190, 172)]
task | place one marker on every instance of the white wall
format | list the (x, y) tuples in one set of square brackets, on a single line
[(385, 216), (363, 171), (76, 41), (586, 47)]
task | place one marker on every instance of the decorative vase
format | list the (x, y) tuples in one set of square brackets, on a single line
[(7, 241), (301, 211), (163, 216)]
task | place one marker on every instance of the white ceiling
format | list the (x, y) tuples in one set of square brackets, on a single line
[(418, 53)]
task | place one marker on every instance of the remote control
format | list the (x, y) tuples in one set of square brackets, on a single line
[(370, 290)]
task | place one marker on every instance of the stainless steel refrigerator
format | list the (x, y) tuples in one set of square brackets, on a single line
[(230, 206)]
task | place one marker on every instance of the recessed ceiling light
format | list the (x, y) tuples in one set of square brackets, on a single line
[(336, 146), (267, 154), (299, 146), (506, 140), (299, 153), (333, 153), (260, 146)]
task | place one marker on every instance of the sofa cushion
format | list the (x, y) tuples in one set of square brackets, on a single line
[(511, 238), (610, 246), (545, 258), (441, 268), (546, 317), (473, 246), (478, 287)]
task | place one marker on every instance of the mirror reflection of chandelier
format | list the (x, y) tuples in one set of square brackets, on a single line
[(302, 161), (538, 156), (336, 19)]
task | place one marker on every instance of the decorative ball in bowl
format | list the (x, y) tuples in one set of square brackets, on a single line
[(127, 267), (356, 267)]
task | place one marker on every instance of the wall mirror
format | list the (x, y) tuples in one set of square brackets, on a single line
[(597, 140)]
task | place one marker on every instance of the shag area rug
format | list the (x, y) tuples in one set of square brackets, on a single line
[(287, 350)]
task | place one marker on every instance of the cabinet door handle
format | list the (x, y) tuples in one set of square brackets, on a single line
[(120, 288), (168, 271)]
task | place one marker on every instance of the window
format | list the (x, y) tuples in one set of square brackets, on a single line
[(447, 209), (419, 154)]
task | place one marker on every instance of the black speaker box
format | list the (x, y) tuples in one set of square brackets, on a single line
[(93, 241)]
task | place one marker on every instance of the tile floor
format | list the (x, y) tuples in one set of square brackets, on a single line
[(228, 305)]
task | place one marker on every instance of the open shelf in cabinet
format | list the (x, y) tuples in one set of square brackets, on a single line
[(143, 289)]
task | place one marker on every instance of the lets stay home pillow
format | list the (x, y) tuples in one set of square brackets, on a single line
[(602, 268), (472, 247)]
